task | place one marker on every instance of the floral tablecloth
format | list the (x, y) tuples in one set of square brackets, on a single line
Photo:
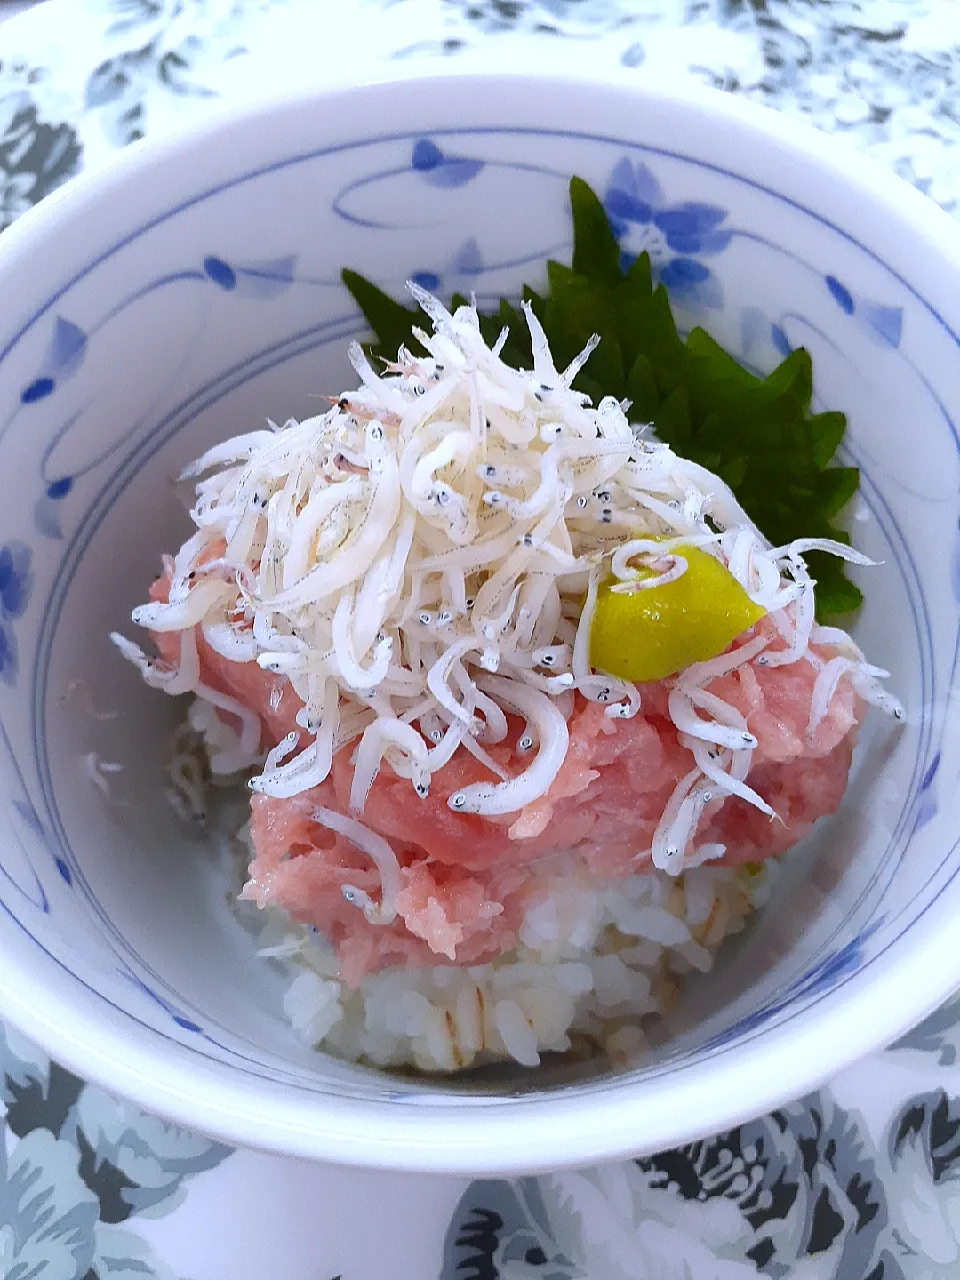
[(860, 1181)]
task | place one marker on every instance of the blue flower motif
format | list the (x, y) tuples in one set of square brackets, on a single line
[(676, 236)]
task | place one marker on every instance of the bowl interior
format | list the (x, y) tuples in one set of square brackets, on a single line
[(191, 294)]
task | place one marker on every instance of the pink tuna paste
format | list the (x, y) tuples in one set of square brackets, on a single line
[(466, 880)]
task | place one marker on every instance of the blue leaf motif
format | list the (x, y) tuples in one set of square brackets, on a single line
[(926, 811), (931, 772), (46, 517), (441, 170), (780, 340), (468, 260), (29, 814), (67, 347), (884, 323), (753, 328), (262, 280), (840, 294), (9, 658), (58, 489), (826, 973), (426, 155), (267, 279), (220, 272), (180, 1019), (15, 578), (39, 389), (455, 173), (428, 280)]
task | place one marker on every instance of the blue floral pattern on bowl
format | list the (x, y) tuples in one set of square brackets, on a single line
[(886, 78), (221, 281), (677, 236)]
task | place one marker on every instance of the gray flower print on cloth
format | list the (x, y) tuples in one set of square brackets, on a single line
[(37, 154), (77, 1169), (885, 74), (134, 1161), (162, 47), (798, 1185), (47, 1215), (923, 1185), (547, 17), (937, 1035)]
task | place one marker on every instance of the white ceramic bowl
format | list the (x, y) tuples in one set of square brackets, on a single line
[(193, 289)]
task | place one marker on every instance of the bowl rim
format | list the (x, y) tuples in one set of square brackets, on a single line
[(514, 1134)]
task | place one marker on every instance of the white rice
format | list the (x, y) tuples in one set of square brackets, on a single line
[(596, 984), (599, 962)]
